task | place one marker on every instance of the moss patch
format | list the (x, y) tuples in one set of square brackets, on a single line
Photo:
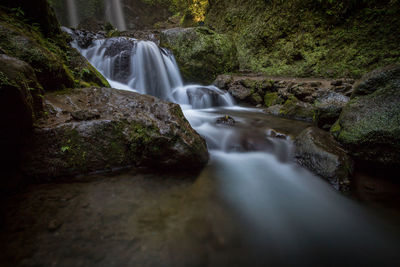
[(201, 53)]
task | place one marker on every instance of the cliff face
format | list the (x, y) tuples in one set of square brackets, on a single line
[(310, 38)]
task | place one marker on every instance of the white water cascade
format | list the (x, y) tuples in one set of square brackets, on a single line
[(294, 216), (115, 13), (144, 67), (72, 13)]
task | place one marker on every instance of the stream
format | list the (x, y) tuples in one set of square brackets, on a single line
[(251, 206)]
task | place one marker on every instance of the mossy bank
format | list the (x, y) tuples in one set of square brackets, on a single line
[(310, 38)]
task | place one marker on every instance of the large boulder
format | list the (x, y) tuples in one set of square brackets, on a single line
[(20, 104), (328, 108), (94, 129), (201, 53), (318, 151), (369, 125)]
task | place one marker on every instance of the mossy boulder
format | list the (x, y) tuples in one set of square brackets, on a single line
[(94, 129), (201, 53), (273, 98), (296, 109), (20, 105), (369, 125), (318, 151), (57, 66), (33, 49), (328, 108)]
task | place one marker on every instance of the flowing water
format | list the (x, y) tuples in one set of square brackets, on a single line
[(288, 215)]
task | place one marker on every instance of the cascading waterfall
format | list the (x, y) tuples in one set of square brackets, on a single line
[(115, 14), (72, 13), (287, 209), (144, 67)]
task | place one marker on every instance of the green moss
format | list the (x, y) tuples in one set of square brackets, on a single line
[(293, 108), (335, 129), (71, 147), (256, 98), (201, 53), (295, 38), (271, 99), (5, 81), (56, 65)]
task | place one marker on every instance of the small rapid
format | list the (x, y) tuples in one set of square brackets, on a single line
[(287, 211)]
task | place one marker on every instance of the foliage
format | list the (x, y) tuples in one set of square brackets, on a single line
[(329, 38)]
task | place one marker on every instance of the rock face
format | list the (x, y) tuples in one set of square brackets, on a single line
[(96, 129), (369, 125), (318, 151), (201, 53)]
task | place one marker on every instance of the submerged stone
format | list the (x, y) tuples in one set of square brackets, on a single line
[(226, 120)]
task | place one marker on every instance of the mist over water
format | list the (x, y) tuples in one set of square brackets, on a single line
[(289, 216)]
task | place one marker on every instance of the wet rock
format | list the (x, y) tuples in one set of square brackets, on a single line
[(201, 53), (274, 110), (369, 124), (315, 84), (239, 92), (271, 99), (85, 115), (345, 89), (275, 134), (223, 81), (226, 120), (318, 151), (147, 35), (84, 38), (209, 96), (119, 129), (328, 108), (337, 82), (303, 93), (296, 109)]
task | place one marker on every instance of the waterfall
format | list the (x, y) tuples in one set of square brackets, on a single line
[(115, 14), (72, 13), (144, 67)]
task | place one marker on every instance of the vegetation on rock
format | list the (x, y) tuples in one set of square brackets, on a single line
[(369, 124), (201, 53), (56, 65), (310, 38)]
